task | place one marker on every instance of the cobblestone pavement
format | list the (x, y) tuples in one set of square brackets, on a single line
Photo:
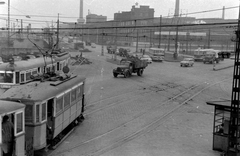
[(119, 110)]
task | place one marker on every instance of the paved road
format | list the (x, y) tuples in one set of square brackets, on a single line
[(164, 112)]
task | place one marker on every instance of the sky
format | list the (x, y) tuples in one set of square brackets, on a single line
[(43, 13)]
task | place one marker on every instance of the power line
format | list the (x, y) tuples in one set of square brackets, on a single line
[(67, 17)]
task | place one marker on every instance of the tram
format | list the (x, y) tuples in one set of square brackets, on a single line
[(19, 72), (53, 109), (15, 112)]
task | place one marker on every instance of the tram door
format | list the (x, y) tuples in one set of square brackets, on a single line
[(5, 147), (50, 106)]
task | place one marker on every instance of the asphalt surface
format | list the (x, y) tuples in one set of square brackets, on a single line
[(164, 112)]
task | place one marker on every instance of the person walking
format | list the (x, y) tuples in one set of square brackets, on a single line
[(7, 136)]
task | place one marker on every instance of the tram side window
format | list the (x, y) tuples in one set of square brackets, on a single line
[(6, 77), (59, 104), (37, 113), (58, 67), (28, 75), (34, 71), (81, 90), (66, 99), (17, 77), (29, 114), (22, 77), (73, 95), (48, 69), (44, 111), (39, 69), (19, 119), (78, 92)]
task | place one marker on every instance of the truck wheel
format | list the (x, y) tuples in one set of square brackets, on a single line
[(140, 72), (115, 74), (126, 74)]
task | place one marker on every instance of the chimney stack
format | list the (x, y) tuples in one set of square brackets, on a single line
[(223, 12), (81, 20), (176, 14)]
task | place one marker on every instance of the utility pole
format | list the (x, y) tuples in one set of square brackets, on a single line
[(97, 37), (57, 32), (137, 42), (21, 25), (8, 41), (150, 39), (102, 43), (187, 38), (176, 44), (82, 33), (160, 30), (116, 33), (209, 38), (234, 123)]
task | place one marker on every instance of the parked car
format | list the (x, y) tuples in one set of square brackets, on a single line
[(147, 58), (187, 62)]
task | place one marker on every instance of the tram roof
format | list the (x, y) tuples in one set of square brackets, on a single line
[(39, 91), (9, 106), (32, 63), (223, 103)]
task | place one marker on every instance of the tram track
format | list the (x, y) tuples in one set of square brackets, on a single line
[(151, 125), (146, 90), (122, 125), (155, 123)]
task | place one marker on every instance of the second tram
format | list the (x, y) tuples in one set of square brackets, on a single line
[(19, 72)]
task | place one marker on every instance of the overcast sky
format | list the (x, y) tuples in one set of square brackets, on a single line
[(45, 11)]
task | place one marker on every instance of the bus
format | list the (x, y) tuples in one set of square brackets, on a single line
[(199, 54), (52, 109), (157, 54), (212, 56), (19, 72)]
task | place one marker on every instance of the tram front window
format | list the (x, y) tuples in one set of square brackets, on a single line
[(6, 77)]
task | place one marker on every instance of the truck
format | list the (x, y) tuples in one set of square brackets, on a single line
[(129, 65)]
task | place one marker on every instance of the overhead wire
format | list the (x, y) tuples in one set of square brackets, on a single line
[(168, 16)]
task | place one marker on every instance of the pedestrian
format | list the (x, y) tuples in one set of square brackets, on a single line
[(7, 136)]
